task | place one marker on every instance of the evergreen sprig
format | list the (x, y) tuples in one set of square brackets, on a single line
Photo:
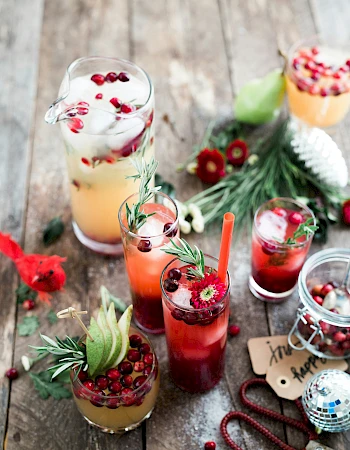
[(304, 229), (187, 255)]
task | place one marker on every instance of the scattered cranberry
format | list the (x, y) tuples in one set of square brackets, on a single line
[(99, 96), (123, 77), (111, 77), (12, 373), (115, 387), (75, 125), (175, 274), (96, 399), (82, 375), (145, 348), (134, 355), (28, 304), (128, 397), (166, 229), (126, 380), (147, 370), (125, 367), (296, 218), (139, 381), (113, 374), (112, 402), (126, 109), (85, 161), (148, 359), (115, 102), (339, 337), (178, 314), (135, 340), (346, 212), (210, 445), (318, 299), (326, 288), (233, 330), (144, 246), (139, 366), (101, 382), (170, 285), (89, 384), (98, 79)]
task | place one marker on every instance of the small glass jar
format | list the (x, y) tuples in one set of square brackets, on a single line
[(322, 332)]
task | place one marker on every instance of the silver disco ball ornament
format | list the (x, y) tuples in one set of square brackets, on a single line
[(326, 400)]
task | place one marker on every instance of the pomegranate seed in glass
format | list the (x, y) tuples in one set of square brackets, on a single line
[(276, 264), (318, 82), (99, 139), (196, 338), (145, 260)]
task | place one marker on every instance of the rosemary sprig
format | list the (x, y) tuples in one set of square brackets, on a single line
[(68, 354), (145, 172), (187, 255), (304, 229)]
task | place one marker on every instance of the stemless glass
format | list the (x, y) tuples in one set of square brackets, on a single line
[(196, 338), (145, 260), (276, 265), (105, 108)]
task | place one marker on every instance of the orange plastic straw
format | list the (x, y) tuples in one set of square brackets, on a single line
[(226, 238)]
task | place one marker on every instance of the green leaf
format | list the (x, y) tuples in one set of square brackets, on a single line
[(53, 231), (51, 317), (29, 326), (47, 388), (24, 292)]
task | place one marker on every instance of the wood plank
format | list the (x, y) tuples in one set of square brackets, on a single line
[(19, 50)]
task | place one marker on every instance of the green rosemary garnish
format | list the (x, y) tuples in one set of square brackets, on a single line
[(304, 229), (187, 255), (145, 172), (68, 354)]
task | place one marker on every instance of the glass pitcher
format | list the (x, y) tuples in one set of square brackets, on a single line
[(105, 107)]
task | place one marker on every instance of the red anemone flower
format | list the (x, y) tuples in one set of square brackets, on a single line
[(237, 152), (211, 165)]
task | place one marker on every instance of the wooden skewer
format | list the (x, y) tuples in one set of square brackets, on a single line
[(74, 314)]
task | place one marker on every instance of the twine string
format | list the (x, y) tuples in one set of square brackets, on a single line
[(72, 313)]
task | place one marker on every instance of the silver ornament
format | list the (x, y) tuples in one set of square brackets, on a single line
[(320, 154), (326, 400)]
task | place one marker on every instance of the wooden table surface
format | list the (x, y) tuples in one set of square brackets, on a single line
[(198, 54)]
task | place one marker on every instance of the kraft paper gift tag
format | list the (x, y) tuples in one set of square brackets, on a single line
[(313, 445)]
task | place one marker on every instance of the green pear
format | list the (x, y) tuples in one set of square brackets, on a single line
[(259, 100), (116, 337), (102, 322), (95, 348), (124, 325)]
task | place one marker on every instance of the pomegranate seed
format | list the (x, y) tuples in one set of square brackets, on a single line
[(115, 102), (314, 90), (318, 299), (126, 109), (135, 340), (166, 229), (113, 374), (324, 92), (147, 370), (126, 380), (315, 51), (112, 402), (139, 366), (96, 400), (123, 77), (339, 337), (139, 381), (177, 314), (326, 288), (85, 161), (89, 384), (233, 330), (145, 348), (75, 124), (144, 246), (82, 375), (210, 445), (99, 96), (170, 285), (101, 382), (296, 218), (115, 387), (134, 355), (12, 373), (111, 77), (82, 111), (128, 397), (28, 304), (125, 367), (148, 359), (98, 79), (175, 274), (71, 114), (84, 104)]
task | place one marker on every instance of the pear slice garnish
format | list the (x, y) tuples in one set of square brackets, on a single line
[(102, 322), (116, 337), (95, 348), (124, 325)]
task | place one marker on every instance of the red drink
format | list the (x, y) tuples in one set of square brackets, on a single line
[(275, 263), (196, 338)]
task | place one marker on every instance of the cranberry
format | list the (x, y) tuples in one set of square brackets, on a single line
[(190, 318), (325, 327), (82, 375), (85, 161), (113, 374), (98, 79), (178, 314), (115, 387), (315, 76), (348, 63), (310, 65), (75, 125), (175, 274), (12, 373), (337, 351), (148, 359), (147, 370), (28, 304), (326, 288), (145, 348), (139, 381), (166, 229), (101, 382), (140, 400), (210, 445), (318, 299), (115, 102), (268, 248), (128, 396), (112, 402), (296, 218), (296, 63), (170, 285), (144, 246), (89, 384), (126, 380), (316, 290), (111, 77), (337, 75), (97, 399), (345, 345), (233, 330), (135, 340), (126, 109), (125, 367), (123, 77), (339, 337), (139, 366), (99, 96), (134, 355)]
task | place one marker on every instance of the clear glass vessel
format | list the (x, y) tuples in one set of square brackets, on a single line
[(325, 333), (105, 108)]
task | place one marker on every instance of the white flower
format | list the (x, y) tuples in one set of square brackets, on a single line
[(192, 167), (26, 363), (198, 224), (252, 159), (185, 226), (194, 210)]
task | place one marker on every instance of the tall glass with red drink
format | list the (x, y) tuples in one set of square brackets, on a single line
[(196, 337), (278, 254)]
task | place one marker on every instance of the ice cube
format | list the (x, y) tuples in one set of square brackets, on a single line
[(272, 226), (124, 131), (153, 227), (182, 297)]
